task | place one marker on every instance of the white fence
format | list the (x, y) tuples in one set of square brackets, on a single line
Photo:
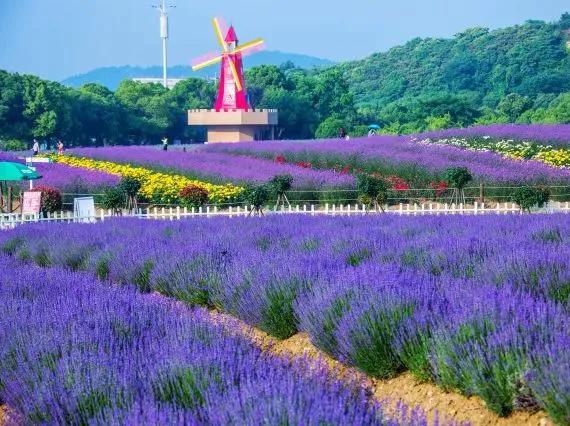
[(8, 221)]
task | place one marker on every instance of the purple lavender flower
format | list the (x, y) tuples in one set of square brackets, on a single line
[(219, 166)]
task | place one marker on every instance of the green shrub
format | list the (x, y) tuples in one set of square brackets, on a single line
[(13, 145), (280, 184), (113, 199), (130, 187), (527, 197), (457, 177), (257, 197), (372, 189)]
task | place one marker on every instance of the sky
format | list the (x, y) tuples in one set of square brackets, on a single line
[(56, 39)]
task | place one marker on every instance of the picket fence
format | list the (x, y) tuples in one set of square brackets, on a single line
[(8, 221)]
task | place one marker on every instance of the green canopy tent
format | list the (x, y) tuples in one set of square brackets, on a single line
[(13, 172)]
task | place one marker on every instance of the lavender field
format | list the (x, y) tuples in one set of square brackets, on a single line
[(219, 167), (401, 156), (477, 305), (76, 351), (66, 178)]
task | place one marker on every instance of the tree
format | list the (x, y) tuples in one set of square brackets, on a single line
[(372, 190), (279, 185), (513, 105), (329, 127), (257, 197), (527, 197)]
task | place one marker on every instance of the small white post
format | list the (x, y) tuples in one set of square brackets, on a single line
[(297, 208), (401, 210), (312, 209), (178, 212), (304, 207), (327, 208)]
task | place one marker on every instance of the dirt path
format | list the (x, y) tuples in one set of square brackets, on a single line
[(402, 388)]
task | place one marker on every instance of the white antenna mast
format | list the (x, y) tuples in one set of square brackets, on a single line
[(164, 36)]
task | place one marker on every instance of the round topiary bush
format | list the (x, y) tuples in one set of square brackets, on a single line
[(113, 199), (193, 196), (257, 197), (457, 177), (51, 199), (372, 189), (527, 197)]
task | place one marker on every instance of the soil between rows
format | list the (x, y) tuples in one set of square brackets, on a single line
[(404, 388)]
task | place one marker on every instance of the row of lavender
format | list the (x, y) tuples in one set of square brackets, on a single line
[(76, 351), (478, 304), (219, 167), (418, 164), (68, 179)]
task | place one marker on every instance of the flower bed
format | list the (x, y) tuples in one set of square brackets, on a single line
[(75, 351), (157, 187), (401, 156), (478, 304), (219, 166), (557, 157), (554, 134)]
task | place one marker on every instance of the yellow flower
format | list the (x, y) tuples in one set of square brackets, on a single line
[(159, 187)]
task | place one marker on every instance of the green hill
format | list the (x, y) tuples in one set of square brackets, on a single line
[(529, 59)]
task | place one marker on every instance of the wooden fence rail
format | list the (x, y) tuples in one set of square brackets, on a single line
[(8, 221)]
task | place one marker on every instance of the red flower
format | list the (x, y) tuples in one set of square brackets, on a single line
[(345, 170), (439, 187), (304, 164), (398, 183), (280, 159)]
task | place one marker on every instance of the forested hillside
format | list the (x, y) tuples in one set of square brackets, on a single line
[(468, 76), (518, 74)]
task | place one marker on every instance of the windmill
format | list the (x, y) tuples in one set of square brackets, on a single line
[(232, 93), (232, 119)]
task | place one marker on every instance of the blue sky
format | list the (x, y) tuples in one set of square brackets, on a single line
[(59, 38)]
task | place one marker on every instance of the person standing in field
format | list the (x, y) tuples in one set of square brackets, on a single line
[(35, 148), (342, 133), (165, 144), (59, 147)]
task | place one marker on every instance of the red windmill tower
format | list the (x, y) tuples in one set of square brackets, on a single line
[(232, 119)]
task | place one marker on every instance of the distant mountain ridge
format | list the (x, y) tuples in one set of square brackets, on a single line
[(112, 76)]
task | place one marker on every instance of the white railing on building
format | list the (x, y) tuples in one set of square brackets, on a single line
[(8, 221)]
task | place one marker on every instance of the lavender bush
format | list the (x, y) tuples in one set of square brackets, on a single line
[(477, 304), (75, 351)]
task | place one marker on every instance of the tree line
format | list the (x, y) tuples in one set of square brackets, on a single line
[(517, 74), (138, 113)]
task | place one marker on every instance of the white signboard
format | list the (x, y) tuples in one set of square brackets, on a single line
[(32, 202), (84, 209)]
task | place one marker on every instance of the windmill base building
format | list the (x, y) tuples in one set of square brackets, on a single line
[(235, 125), (232, 119)]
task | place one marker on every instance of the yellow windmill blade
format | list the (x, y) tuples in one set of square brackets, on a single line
[(207, 63), (219, 34), (235, 73), (258, 42)]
